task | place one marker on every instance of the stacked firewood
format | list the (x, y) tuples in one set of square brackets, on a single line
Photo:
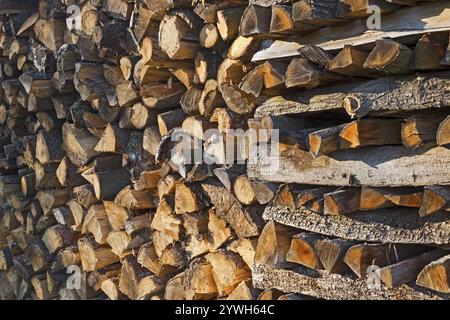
[(101, 199)]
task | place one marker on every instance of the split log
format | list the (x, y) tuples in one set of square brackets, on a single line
[(390, 57), (435, 198), (407, 270), (417, 131), (435, 276), (94, 256), (228, 271), (378, 198), (363, 256), (273, 245), (302, 250)]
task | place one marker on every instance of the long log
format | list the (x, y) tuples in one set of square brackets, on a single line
[(385, 225), (386, 166), (317, 284)]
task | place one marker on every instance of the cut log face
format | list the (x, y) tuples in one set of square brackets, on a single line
[(302, 250), (405, 271), (435, 275), (273, 245)]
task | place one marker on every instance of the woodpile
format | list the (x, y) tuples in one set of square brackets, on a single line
[(117, 179)]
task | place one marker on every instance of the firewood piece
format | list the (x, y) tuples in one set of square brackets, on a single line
[(85, 195), (273, 245), (232, 71), (370, 132), (94, 256), (172, 290), (52, 198), (243, 190), (361, 9), (166, 221), (243, 48), (150, 286), (435, 276), (57, 237), (121, 242), (350, 62), (324, 14), (281, 20), (116, 215), (304, 74), (96, 222), (228, 21), (429, 52), (227, 176), (45, 176), (390, 57), (49, 147), (111, 288), (187, 198), (313, 199), (285, 197), (107, 184), (324, 141), (218, 231), (342, 201), (190, 101), (114, 139), (274, 74), (148, 180), (199, 281), (255, 21), (169, 120), (435, 198), (264, 192), (148, 258), (38, 255), (442, 134), (209, 36), (362, 256), (64, 216), (228, 271), (40, 286), (331, 253), (302, 250), (244, 291), (78, 144), (178, 36), (37, 84), (377, 198), (417, 131), (405, 271), (253, 81), (246, 223), (270, 294), (133, 199), (6, 258), (238, 100), (151, 139), (69, 256)]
